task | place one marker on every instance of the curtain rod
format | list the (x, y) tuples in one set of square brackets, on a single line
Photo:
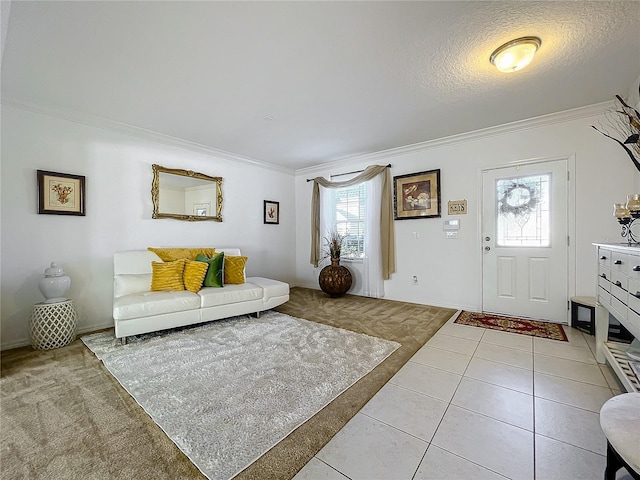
[(341, 174)]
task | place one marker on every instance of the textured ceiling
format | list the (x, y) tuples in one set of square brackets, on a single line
[(297, 84)]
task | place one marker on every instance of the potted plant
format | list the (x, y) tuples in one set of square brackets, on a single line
[(334, 279)]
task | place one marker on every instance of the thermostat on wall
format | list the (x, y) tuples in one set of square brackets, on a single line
[(451, 225)]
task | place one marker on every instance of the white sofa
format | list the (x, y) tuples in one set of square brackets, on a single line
[(136, 309)]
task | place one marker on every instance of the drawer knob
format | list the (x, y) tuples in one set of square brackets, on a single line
[(618, 262), (618, 283), (603, 257), (603, 275), (636, 268), (637, 294)]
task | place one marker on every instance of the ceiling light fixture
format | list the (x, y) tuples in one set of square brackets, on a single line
[(516, 54)]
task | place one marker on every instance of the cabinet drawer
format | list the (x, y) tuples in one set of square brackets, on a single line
[(634, 302), (604, 297), (619, 307), (604, 278), (634, 267), (633, 286), (604, 257), (633, 324), (619, 280), (619, 262)]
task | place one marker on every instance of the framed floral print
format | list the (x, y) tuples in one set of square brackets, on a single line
[(61, 193), (271, 212)]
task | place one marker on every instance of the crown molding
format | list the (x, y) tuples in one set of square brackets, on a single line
[(141, 133), (535, 122), (123, 128)]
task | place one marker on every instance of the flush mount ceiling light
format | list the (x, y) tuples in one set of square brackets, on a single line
[(516, 54)]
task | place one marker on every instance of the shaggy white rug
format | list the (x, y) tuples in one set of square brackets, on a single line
[(227, 391)]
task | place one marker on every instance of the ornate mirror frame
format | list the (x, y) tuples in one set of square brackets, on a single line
[(155, 194)]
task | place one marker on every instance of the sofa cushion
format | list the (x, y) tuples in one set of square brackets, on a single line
[(214, 276), (167, 275), (211, 297), (234, 269), (271, 288), (128, 284), (194, 273), (154, 303)]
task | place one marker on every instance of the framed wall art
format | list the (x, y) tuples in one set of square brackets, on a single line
[(417, 195), (60, 193), (271, 212)]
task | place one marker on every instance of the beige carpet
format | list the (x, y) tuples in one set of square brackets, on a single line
[(64, 416)]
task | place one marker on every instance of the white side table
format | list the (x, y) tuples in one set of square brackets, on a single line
[(53, 325)]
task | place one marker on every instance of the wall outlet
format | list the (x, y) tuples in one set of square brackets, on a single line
[(415, 235), (415, 279), (452, 234)]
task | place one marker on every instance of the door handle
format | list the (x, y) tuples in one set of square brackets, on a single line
[(603, 257), (487, 248), (618, 262), (636, 268)]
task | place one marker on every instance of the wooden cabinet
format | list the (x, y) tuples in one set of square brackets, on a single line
[(619, 295)]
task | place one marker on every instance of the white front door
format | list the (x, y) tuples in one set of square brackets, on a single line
[(525, 241)]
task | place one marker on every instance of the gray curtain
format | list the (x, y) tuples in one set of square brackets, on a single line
[(387, 238)]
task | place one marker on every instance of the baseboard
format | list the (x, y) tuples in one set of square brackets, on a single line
[(25, 342), (454, 306)]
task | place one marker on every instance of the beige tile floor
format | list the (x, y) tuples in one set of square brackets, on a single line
[(477, 404)]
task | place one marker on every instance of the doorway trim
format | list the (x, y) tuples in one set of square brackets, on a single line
[(571, 220)]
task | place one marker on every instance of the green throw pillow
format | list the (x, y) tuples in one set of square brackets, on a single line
[(215, 272)]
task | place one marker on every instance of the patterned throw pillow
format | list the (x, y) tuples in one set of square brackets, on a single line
[(171, 254), (194, 273), (234, 269), (214, 276), (167, 275)]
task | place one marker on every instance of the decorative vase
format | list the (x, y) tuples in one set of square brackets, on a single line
[(335, 279), (54, 284)]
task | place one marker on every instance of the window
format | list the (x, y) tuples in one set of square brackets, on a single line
[(349, 207), (523, 211)]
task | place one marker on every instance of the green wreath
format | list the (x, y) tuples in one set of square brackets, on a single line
[(518, 209)]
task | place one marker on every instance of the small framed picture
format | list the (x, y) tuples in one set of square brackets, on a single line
[(60, 193), (271, 212), (201, 209), (417, 195)]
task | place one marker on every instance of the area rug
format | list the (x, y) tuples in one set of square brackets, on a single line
[(523, 326), (228, 391)]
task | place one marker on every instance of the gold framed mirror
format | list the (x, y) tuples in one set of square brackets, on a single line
[(186, 195)]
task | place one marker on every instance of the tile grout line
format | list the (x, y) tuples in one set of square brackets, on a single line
[(332, 467), (435, 431), (467, 460), (428, 442)]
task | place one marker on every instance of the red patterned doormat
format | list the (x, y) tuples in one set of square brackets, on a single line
[(532, 328)]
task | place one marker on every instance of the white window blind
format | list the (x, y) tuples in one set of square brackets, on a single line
[(350, 213)]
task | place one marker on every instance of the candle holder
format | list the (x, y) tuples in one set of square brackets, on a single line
[(626, 214)]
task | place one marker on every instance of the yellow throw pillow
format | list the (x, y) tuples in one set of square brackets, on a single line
[(208, 252), (234, 269), (167, 275), (193, 276), (171, 254)]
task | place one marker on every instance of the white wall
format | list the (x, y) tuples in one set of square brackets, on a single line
[(449, 271), (118, 206)]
